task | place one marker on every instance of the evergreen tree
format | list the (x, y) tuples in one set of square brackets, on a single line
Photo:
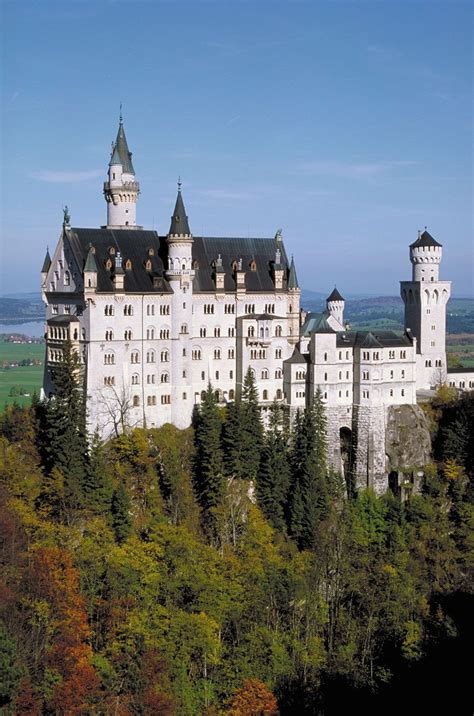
[(62, 437), (233, 440), (310, 492), (208, 467), (121, 518), (252, 428), (274, 475), (98, 487)]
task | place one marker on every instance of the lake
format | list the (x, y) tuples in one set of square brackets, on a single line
[(30, 328)]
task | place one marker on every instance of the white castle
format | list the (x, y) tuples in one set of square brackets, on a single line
[(155, 318)]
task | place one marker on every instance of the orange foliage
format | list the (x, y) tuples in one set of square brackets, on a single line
[(253, 699)]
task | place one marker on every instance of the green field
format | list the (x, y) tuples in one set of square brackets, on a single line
[(27, 378)]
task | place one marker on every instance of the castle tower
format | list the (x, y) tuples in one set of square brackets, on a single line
[(294, 294), (335, 306), (180, 275), (425, 298), (121, 190)]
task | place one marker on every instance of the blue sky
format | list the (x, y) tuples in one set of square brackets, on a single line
[(346, 124)]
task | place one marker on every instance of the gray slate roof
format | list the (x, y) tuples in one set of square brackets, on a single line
[(316, 323), (373, 339), (46, 262), (425, 239), (334, 295), (121, 149), (298, 357), (292, 278), (179, 220)]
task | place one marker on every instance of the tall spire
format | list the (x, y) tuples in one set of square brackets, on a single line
[(292, 278), (179, 220), (121, 154)]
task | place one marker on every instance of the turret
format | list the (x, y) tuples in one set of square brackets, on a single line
[(45, 268), (294, 293), (425, 256), (121, 190), (119, 274), (219, 274), (278, 270), (180, 241), (335, 305), (90, 271)]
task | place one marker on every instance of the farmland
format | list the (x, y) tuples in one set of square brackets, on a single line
[(19, 382)]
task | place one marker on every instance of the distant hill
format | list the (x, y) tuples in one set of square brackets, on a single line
[(24, 307)]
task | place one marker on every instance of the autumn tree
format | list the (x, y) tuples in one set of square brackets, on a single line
[(253, 699)]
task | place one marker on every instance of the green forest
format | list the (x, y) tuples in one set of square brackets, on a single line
[(225, 569)]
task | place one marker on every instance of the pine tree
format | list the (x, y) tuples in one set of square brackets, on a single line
[(62, 436), (233, 440), (310, 490), (98, 487), (273, 479), (121, 518), (208, 468), (252, 430)]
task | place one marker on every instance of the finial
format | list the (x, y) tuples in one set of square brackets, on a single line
[(66, 216), (426, 228), (121, 116), (278, 235), (179, 184)]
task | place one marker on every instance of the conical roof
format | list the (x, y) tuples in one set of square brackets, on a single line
[(334, 295), (91, 264), (292, 277), (424, 239), (46, 262), (179, 220), (121, 154), (370, 341)]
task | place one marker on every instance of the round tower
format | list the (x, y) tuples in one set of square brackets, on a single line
[(121, 190), (425, 256), (335, 305)]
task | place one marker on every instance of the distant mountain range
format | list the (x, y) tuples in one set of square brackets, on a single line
[(361, 311)]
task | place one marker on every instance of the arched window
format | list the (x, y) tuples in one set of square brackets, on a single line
[(150, 334), (164, 378), (278, 394), (136, 401), (128, 334), (135, 379), (67, 278), (278, 331), (251, 331), (128, 265), (109, 335), (134, 357), (184, 328), (217, 354), (164, 356), (148, 265), (278, 353), (231, 394), (109, 358), (265, 395), (278, 373), (150, 357), (264, 374)]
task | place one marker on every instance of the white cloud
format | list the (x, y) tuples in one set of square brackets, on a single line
[(54, 177)]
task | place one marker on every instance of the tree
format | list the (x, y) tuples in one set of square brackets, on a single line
[(310, 491), (252, 428), (253, 699), (273, 479), (62, 435), (208, 465), (121, 519), (98, 486), (234, 447), (115, 405)]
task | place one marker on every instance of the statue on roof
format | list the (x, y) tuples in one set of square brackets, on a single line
[(66, 216)]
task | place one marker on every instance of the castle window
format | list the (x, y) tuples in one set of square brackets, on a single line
[(164, 378), (135, 379), (340, 375), (325, 356), (231, 332), (67, 278), (278, 373), (391, 374), (150, 310), (148, 265), (264, 374), (128, 265), (217, 332), (365, 375), (340, 394), (151, 400), (231, 375), (231, 394), (183, 374), (150, 334), (109, 358), (403, 354), (54, 310), (165, 310), (109, 380), (202, 332), (150, 378), (127, 335), (391, 354), (432, 344), (265, 395), (278, 331), (184, 396), (217, 354), (136, 401), (196, 354), (278, 353), (325, 377), (134, 357), (253, 266), (108, 264), (109, 335), (325, 396), (164, 334), (127, 310), (391, 393), (109, 310), (278, 394), (217, 375), (403, 392), (403, 373), (164, 356), (67, 310), (231, 354), (340, 355), (150, 357), (365, 393), (203, 375), (251, 331)]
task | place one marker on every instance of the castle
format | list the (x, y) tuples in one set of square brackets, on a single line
[(155, 318)]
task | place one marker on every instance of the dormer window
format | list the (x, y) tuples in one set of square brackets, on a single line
[(253, 265), (195, 265), (151, 251), (128, 265), (148, 265), (112, 251), (108, 264), (235, 265)]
